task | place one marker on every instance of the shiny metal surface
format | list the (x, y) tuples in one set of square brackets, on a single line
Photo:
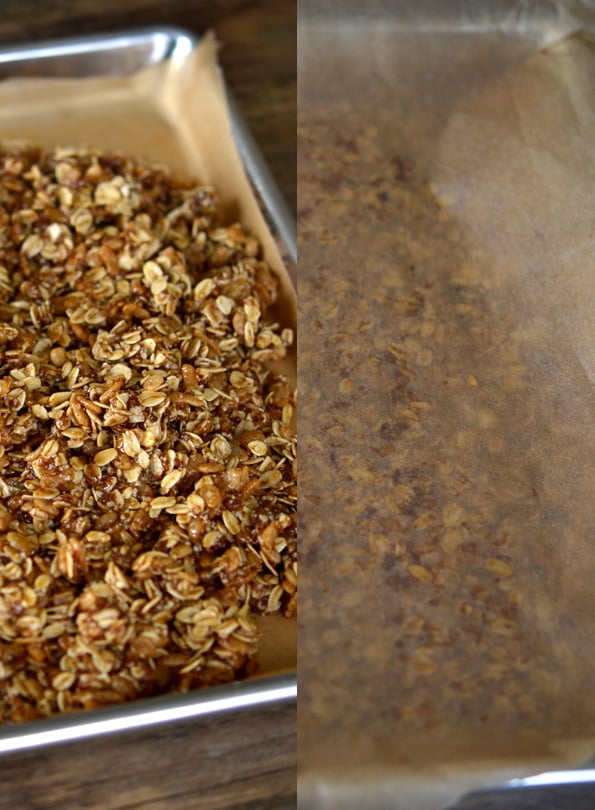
[(109, 54), (558, 790), (122, 55), (145, 713)]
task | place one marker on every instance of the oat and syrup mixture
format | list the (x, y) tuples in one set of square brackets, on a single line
[(425, 525), (147, 458)]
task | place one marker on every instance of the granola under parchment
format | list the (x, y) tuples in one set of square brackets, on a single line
[(147, 456), (427, 515)]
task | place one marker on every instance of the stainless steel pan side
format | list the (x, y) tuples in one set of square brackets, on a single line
[(147, 713)]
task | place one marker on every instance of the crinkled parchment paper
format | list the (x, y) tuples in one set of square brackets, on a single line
[(447, 369), (173, 114)]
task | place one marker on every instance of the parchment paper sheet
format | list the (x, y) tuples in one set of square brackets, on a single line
[(405, 701), (173, 114)]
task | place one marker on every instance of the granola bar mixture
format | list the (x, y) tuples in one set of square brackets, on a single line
[(147, 456), (428, 518)]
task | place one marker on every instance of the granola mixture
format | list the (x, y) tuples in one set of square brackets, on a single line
[(430, 518), (147, 455)]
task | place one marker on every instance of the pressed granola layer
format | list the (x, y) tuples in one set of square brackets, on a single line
[(147, 458)]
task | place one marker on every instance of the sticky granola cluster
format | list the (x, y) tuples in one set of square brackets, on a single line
[(147, 456)]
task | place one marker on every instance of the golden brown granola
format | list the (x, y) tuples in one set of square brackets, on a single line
[(147, 457)]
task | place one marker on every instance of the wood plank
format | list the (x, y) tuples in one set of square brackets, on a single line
[(240, 760)]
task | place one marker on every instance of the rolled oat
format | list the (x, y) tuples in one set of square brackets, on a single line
[(135, 512)]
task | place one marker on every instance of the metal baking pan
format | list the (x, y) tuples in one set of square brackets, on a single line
[(121, 55), (439, 144), (126, 53)]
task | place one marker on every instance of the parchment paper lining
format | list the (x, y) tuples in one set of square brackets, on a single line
[(501, 135)]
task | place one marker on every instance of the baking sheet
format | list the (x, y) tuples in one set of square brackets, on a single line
[(173, 112), (446, 294)]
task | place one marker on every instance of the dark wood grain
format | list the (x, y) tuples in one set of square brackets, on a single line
[(242, 761), (239, 761)]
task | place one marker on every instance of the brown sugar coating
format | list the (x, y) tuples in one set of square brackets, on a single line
[(147, 455)]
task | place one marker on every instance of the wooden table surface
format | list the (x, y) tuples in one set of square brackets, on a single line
[(244, 760)]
